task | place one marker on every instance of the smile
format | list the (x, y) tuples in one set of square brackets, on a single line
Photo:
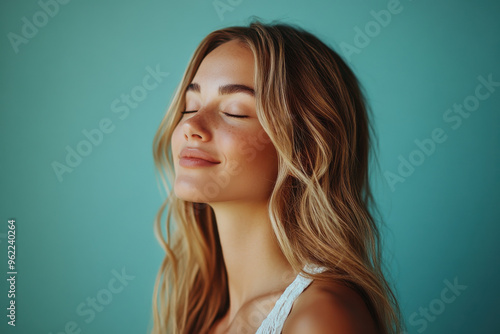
[(194, 157), (196, 162)]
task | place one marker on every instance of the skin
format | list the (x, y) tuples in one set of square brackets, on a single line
[(238, 189), (329, 307)]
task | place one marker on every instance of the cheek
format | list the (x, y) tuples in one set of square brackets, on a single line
[(267, 162), (175, 147), (176, 140), (257, 159)]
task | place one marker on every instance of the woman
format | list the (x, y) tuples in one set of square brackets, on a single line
[(266, 148)]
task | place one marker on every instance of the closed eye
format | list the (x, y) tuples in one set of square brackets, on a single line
[(227, 114), (236, 116)]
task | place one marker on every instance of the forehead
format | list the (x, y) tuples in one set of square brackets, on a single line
[(229, 63)]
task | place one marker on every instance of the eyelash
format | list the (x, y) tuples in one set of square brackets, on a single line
[(230, 115)]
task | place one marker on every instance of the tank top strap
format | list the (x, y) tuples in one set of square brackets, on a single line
[(275, 320)]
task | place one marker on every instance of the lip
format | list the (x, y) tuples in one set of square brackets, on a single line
[(193, 157)]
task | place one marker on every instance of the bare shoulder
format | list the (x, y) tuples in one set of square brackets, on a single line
[(329, 307)]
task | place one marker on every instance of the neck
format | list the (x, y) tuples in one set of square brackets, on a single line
[(254, 262)]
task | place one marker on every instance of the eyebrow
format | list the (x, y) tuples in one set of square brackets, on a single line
[(224, 89)]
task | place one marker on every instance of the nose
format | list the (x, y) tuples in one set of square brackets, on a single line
[(196, 128)]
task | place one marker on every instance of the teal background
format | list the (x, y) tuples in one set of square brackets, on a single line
[(442, 221)]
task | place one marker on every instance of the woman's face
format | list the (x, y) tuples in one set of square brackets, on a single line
[(224, 129)]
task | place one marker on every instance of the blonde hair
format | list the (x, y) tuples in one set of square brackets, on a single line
[(311, 106)]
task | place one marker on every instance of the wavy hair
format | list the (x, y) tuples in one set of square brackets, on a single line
[(312, 107)]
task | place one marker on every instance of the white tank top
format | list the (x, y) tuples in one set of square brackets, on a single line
[(274, 321)]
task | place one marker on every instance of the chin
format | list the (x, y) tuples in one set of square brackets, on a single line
[(189, 193)]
